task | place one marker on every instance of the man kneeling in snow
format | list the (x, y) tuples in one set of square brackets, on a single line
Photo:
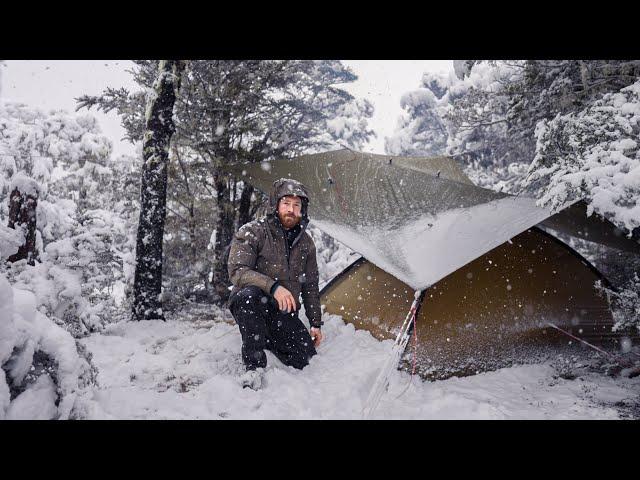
[(271, 263)]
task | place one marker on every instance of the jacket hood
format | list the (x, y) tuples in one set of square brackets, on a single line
[(288, 186)]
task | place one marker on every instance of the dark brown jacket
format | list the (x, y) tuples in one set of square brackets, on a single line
[(258, 256)]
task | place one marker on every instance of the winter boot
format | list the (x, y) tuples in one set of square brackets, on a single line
[(252, 379)]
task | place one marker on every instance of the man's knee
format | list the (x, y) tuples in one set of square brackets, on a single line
[(301, 359), (303, 351), (250, 296)]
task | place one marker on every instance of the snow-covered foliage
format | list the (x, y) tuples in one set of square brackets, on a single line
[(10, 241), (506, 178), (348, 126), (49, 147), (421, 130), (83, 244), (252, 109), (625, 304), (42, 372), (332, 256), (54, 151), (593, 155), (84, 220), (487, 111), (461, 117)]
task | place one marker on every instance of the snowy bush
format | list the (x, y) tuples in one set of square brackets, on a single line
[(332, 256), (10, 241), (85, 220), (42, 372), (506, 179), (625, 304), (593, 154), (85, 214), (421, 130)]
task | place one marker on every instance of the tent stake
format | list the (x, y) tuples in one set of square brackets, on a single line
[(382, 381)]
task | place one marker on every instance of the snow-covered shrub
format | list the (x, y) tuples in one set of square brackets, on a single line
[(487, 112), (41, 371), (625, 304), (10, 241), (85, 214), (420, 130), (506, 179), (85, 220), (593, 154), (332, 256)]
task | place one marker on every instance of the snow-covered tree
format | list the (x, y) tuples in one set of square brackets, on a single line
[(593, 155), (159, 128), (421, 130), (487, 113), (464, 117), (191, 216)]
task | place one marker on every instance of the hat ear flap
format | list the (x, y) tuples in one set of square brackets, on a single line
[(273, 200)]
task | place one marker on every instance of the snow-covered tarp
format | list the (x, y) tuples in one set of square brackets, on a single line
[(418, 221)]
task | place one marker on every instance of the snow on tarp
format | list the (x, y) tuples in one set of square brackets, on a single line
[(418, 224), (424, 251)]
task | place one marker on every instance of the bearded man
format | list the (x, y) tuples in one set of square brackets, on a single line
[(272, 262)]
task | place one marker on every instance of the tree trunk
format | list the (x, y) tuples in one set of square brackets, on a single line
[(192, 231), (244, 210), (22, 215), (159, 128), (224, 234)]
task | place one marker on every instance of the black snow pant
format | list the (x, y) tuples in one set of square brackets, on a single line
[(263, 325)]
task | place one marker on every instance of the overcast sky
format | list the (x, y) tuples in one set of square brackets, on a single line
[(55, 84)]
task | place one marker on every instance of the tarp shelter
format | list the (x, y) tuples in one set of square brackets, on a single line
[(490, 279)]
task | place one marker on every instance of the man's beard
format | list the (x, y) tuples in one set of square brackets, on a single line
[(289, 221)]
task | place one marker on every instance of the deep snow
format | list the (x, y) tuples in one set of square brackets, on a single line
[(188, 368)]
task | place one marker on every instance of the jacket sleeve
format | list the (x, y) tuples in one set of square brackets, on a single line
[(242, 261), (310, 290)]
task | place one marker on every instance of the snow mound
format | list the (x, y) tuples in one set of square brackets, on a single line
[(24, 331)]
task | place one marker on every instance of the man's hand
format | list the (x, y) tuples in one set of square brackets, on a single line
[(316, 335), (285, 300)]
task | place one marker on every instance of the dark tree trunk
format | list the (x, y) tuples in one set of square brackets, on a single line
[(22, 215), (224, 234), (244, 210), (192, 231), (159, 128)]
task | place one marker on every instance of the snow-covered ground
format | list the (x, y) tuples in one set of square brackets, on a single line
[(188, 368)]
